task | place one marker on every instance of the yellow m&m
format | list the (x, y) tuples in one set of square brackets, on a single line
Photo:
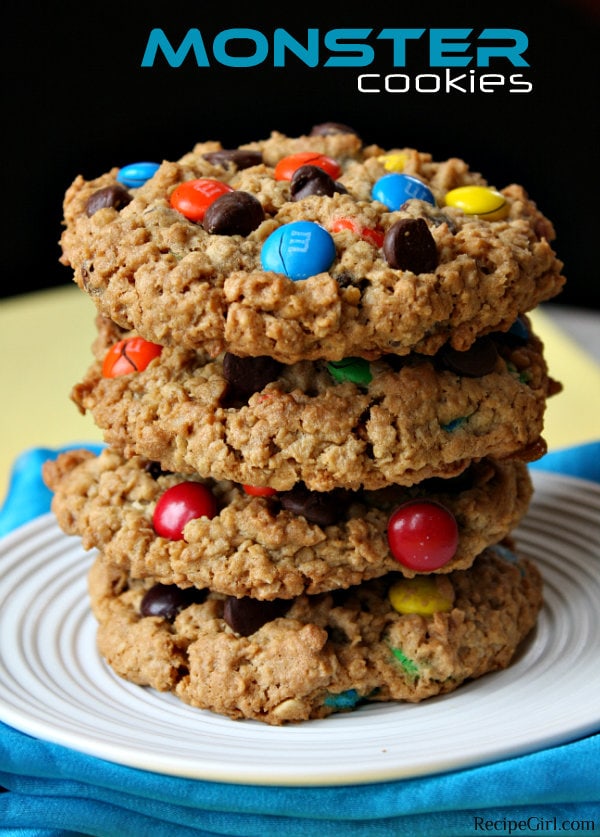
[(393, 162), (478, 200), (420, 595)]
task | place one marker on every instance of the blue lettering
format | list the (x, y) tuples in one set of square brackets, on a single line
[(243, 47), (261, 47), (439, 47), (158, 40), (399, 38), (364, 54), (512, 51), (282, 40)]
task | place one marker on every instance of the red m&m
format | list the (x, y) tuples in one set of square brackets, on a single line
[(178, 505), (422, 535), (259, 490), (193, 197)]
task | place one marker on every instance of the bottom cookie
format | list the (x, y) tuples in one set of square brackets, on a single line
[(388, 639)]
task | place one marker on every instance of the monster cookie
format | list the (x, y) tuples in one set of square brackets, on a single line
[(248, 541), (390, 639), (315, 247), (348, 424)]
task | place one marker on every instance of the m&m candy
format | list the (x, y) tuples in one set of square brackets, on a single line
[(259, 490), (299, 249), (136, 174), (178, 505), (410, 667), (519, 330), (286, 167), (454, 424), (393, 162), (422, 535), (478, 200), (133, 354), (394, 189), (354, 369), (371, 234), (421, 595), (342, 700), (193, 197)]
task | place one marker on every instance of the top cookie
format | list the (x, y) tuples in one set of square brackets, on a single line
[(344, 250)]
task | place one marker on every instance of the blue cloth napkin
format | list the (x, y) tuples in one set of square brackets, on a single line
[(53, 791)]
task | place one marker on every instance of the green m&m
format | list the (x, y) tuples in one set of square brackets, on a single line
[(354, 369)]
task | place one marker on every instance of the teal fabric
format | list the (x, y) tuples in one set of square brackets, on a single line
[(57, 792), (27, 496)]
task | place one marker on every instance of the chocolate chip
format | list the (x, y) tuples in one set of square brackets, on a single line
[(320, 507), (325, 129), (312, 180), (397, 362), (246, 615), (479, 360), (156, 470), (167, 600), (347, 279), (437, 217), (240, 158), (250, 374), (114, 196), (234, 213), (452, 485), (409, 245)]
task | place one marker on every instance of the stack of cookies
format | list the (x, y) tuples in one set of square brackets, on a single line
[(319, 390)]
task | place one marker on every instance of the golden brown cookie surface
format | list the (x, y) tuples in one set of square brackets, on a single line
[(182, 281), (318, 654), (270, 547), (351, 424)]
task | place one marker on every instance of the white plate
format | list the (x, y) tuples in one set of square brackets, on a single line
[(54, 685)]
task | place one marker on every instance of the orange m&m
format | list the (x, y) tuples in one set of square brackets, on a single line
[(132, 354), (193, 197), (286, 167), (374, 236)]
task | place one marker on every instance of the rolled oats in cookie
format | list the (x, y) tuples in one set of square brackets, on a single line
[(289, 661), (477, 258), (351, 423), (272, 546)]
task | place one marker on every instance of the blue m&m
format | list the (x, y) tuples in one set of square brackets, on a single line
[(394, 189), (519, 330), (343, 700), (136, 174), (299, 250)]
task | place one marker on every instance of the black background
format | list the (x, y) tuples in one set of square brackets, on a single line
[(78, 102)]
